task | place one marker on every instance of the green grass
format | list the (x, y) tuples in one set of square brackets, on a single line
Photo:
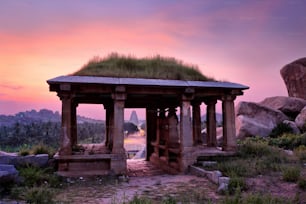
[(288, 141), (256, 199), (35, 176), (300, 152), (155, 68), (42, 149), (291, 174), (253, 158)]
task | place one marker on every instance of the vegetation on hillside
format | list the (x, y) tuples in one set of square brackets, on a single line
[(157, 67), (23, 136)]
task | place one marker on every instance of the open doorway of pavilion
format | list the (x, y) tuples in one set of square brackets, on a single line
[(90, 130), (135, 133), (219, 123)]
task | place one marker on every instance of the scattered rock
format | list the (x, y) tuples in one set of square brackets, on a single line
[(294, 75), (208, 163), (290, 106), (300, 120), (40, 160), (256, 120), (222, 189), (223, 184), (8, 173), (224, 179), (293, 126)]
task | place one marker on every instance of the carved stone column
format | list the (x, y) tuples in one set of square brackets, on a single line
[(151, 126), (66, 130), (196, 122), (173, 140), (211, 123), (109, 116), (74, 127), (229, 131), (118, 135), (186, 135), (118, 162)]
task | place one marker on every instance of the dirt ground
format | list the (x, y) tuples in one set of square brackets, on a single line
[(155, 187), (146, 180)]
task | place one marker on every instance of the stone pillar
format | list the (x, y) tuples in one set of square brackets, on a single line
[(229, 131), (74, 128), (66, 130), (173, 140), (109, 113), (118, 162), (118, 121), (211, 138), (196, 122), (186, 135), (151, 126)]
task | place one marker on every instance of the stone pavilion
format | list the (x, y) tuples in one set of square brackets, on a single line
[(173, 121)]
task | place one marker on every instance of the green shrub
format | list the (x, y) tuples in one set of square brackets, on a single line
[(236, 185), (42, 149), (251, 148), (255, 157), (23, 152), (34, 176), (140, 200), (280, 129), (289, 141), (302, 184), (39, 195), (291, 174), (169, 200), (235, 167), (300, 152)]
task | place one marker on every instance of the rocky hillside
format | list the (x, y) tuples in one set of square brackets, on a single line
[(34, 116)]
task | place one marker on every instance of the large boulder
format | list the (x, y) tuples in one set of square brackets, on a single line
[(8, 174), (291, 106), (256, 120), (40, 160), (294, 76), (300, 120)]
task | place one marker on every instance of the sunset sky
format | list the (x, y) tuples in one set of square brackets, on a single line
[(235, 40)]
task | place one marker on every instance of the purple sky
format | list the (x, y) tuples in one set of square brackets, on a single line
[(234, 40)]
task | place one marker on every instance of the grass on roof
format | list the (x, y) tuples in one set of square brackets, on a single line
[(156, 67)]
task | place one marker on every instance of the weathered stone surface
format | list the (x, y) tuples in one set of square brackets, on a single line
[(8, 173), (300, 120), (291, 106), (40, 160), (222, 188), (294, 76), (223, 184), (213, 176), (256, 120)]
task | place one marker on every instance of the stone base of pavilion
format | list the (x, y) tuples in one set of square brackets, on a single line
[(91, 160), (176, 162), (96, 160)]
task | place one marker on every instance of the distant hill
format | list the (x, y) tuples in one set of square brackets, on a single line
[(33, 116)]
